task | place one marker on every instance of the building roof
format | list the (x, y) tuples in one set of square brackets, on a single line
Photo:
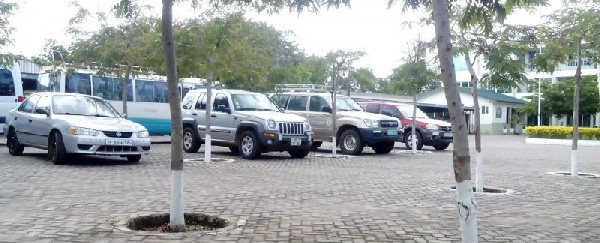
[(483, 93), (493, 95)]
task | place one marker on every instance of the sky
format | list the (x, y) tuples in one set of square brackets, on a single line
[(367, 26)]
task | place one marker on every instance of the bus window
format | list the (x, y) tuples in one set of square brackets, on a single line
[(107, 87), (144, 91), (48, 82), (78, 83), (160, 92)]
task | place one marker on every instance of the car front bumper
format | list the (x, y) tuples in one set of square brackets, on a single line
[(275, 141), (435, 137), (377, 135), (99, 145)]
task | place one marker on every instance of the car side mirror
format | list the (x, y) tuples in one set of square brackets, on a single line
[(42, 111), (223, 108), (281, 110), (326, 109), (125, 116)]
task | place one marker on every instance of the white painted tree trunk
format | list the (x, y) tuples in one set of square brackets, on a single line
[(465, 200), (479, 173), (209, 105), (477, 116), (413, 135), (176, 213)]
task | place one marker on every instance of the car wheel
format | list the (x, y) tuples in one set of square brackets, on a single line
[(14, 147), (249, 145), (441, 146), (56, 149), (384, 147), (134, 158), (351, 142), (316, 145), (299, 153), (408, 140), (190, 141), (234, 150)]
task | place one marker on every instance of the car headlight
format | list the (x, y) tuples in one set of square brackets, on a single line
[(432, 127), (307, 126), (83, 131), (371, 123), (271, 125), (143, 134)]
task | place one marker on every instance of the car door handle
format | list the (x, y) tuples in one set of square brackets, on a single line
[(194, 114), (213, 115), (30, 120)]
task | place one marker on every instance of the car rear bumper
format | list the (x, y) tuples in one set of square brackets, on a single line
[(95, 145)]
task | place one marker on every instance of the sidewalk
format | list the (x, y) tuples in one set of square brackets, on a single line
[(154, 139)]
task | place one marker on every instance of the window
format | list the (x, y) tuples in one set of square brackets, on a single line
[(252, 102), (78, 83), (187, 102), (485, 109), (43, 103), (373, 109), (220, 99), (29, 104), (390, 111), (201, 103), (48, 82), (161, 94), (144, 91), (297, 103), (7, 84), (108, 88), (317, 103), (280, 100), (84, 106)]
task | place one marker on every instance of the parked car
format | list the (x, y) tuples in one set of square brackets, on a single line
[(68, 123), (355, 128), (430, 132), (246, 122)]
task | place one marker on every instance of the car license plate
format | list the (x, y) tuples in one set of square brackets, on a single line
[(392, 132), (448, 134), (119, 142), (296, 142)]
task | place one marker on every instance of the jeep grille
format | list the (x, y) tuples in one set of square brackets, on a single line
[(388, 123), (291, 128)]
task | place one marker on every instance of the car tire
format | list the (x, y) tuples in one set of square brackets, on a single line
[(191, 143), (134, 158), (316, 145), (249, 145), (384, 147), (350, 142), (441, 146), (234, 150), (407, 142), (12, 142), (56, 149), (299, 153)]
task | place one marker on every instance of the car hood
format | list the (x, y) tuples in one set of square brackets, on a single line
[(433, 121), (364, 115), (102, 123), (277, 116)]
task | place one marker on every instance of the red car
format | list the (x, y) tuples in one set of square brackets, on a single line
[(430, 132)]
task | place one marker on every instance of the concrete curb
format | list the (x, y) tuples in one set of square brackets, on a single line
[(556, 141)]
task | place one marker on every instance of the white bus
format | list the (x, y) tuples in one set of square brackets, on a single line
[(11, 92), (147, 100)]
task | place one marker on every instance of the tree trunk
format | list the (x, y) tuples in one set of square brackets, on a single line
[(576, 112), (334, 112), (467, 206), (479, 155), (413, 143), (125, 91), (209, 104), (177, 223)]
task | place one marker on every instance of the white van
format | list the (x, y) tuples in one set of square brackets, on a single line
[(11, 92)]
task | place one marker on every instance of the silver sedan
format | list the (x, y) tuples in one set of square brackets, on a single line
[(65, 124)]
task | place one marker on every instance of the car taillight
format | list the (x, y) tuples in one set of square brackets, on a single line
[(20, 99)]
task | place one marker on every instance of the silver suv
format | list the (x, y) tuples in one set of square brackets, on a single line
[(246, 122)]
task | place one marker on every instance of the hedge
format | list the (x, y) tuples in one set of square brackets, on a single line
[(585, 133)]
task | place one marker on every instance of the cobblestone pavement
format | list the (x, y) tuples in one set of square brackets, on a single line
[(378, 198)]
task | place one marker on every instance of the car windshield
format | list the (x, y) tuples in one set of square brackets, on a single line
[(407, 111), (252, 102), (344, 103), (82, 106)]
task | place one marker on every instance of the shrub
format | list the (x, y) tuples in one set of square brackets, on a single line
[(585, 133)]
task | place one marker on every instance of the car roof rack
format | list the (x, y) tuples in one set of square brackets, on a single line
[(308, 88)]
